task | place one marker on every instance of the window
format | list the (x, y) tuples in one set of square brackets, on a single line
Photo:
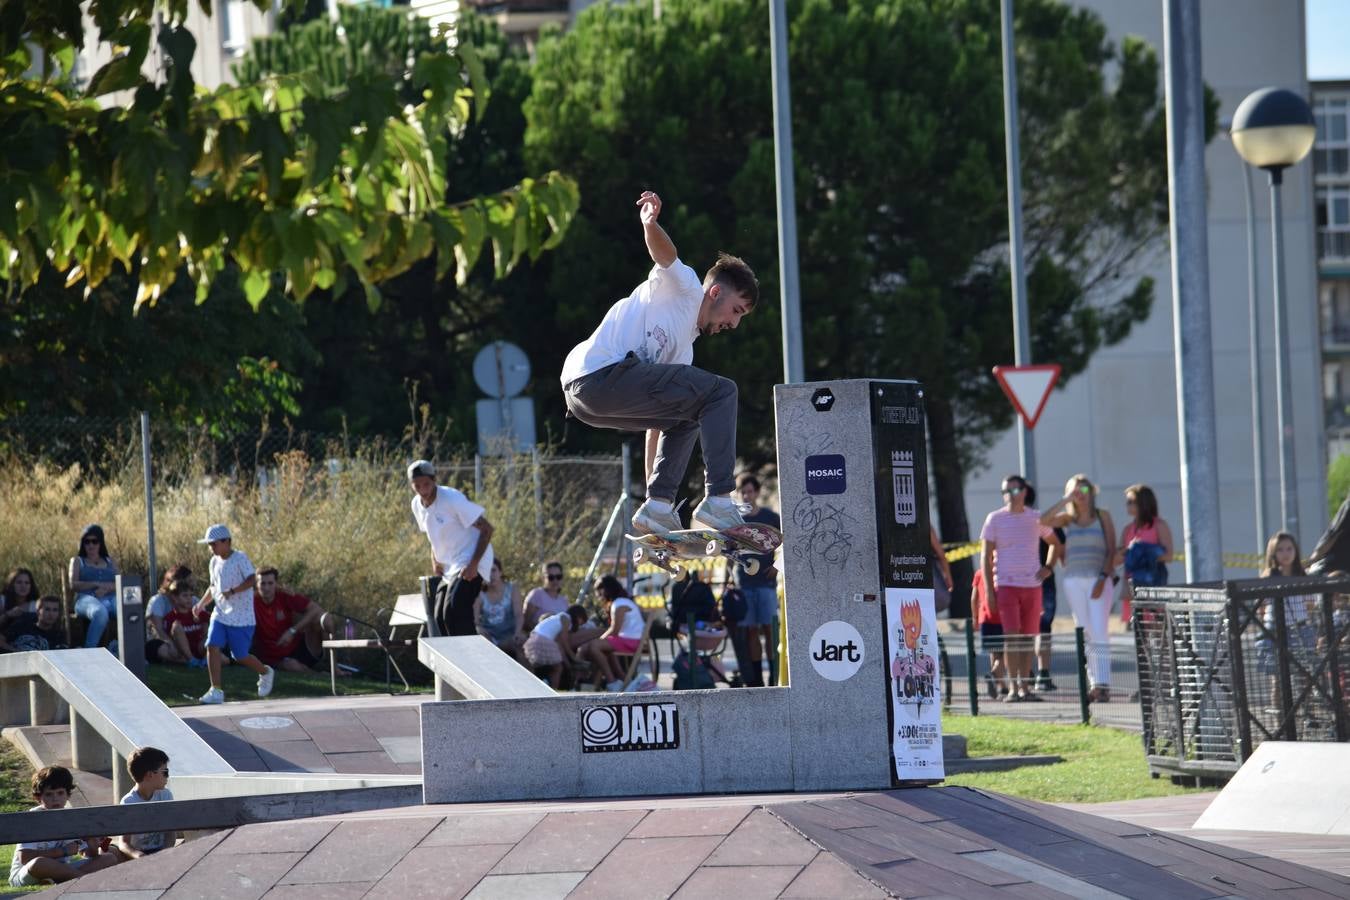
[(1333, 222), (1331, 152), (233, 26)]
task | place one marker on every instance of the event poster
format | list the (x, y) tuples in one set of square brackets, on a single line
[(914, 686)]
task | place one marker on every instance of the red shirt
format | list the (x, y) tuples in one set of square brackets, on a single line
[(272, 620), (193, 627), (984, 610)]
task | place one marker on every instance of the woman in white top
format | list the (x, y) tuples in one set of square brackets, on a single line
[(626, 624), (1090, 550)]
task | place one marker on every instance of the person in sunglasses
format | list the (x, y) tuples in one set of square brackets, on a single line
[(548, 600), (1089, 564), (1010, 561), (93, 575)]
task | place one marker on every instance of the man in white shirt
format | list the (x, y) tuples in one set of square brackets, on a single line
[(634, 374), (461, 552)]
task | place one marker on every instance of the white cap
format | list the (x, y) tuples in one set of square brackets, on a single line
[(216, 533), (421, 467)]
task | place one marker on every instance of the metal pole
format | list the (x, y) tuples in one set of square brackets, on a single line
[(1083, 710), (787, 195), (1026, 448), (1254, 363), (972, 678), (1190, 290), (538, 499), (152, 579), (1284, 397), (626, 549), (478, 477)]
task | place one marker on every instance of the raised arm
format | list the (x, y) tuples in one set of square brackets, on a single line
[(659, 245)]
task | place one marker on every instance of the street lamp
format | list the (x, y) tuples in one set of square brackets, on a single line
[(1273, 129)]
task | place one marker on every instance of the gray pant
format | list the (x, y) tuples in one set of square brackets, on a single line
[(682, 402)]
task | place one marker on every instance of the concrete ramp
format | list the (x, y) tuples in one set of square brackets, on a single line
[(926, 842), (1297, 787)]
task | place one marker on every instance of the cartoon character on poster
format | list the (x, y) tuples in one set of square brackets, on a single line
[(913, 672)]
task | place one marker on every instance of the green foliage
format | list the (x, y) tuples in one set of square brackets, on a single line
[(1100, 764), (1338, 483), (899, 152), (290, 173)]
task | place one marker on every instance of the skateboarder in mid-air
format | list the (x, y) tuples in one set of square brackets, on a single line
[(634, 374)]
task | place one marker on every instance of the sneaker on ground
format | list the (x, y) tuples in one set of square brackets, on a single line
[(265, 682), (215, 695), (658, 518), (1045, 684), (614, 686), (719, 513)]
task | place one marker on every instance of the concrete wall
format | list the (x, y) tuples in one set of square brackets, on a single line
[(1117, 421), (818, 734)]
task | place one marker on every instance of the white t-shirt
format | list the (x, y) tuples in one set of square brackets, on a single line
[(15, 865), (553, 626), (632, 622), (658, 322), (226, 575), (153, 840), (448, 524)]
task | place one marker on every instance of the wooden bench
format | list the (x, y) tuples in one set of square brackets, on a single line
[(409, 611), (472, 668)]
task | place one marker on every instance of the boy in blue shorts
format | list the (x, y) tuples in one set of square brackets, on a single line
[(232, 622)]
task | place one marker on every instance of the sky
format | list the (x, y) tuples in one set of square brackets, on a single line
[(1328, 39)]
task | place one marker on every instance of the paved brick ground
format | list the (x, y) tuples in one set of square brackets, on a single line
[(921, 843)]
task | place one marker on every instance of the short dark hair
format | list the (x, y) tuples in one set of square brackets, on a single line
[(577, 613), (551, 563), (747, 478), (734, 273), (269, 570), (52, 778), (50, 598), (144, 760), (179, 572)]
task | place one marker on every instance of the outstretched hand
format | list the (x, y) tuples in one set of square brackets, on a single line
[(650, 207)]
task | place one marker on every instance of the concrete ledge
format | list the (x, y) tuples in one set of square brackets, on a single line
[(997, 763), (472, 668)]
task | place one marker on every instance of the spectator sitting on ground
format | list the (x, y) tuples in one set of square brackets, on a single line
[(696, 599), (186, 628), (159, 606), (92, 573), (149, 768), (547, 646), (40, 862), (624, 634), (499, 614), (291, 628), (20, 599), (38, 632)]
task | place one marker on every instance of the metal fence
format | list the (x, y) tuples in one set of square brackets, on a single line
[(1223, 667)]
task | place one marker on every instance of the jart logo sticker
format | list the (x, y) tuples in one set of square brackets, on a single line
[(825, 474), (630, 726), (836, 651)]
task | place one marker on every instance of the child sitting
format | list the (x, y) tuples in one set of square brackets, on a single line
[(149, 767), (548, 647), (186, 627), (39, 862)]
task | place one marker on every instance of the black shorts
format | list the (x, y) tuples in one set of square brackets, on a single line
[(152, 649), (300, 654)]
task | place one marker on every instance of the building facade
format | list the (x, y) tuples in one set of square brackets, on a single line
[(1331, 185)]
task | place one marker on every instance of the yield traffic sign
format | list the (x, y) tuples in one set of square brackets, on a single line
[(1028, 387)]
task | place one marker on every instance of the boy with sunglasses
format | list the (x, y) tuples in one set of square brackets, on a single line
[(149, 767), (1010, 561)]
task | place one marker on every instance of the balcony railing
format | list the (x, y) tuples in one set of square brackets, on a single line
[(1333, 245)]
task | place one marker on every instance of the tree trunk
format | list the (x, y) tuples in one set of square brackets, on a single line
[(945, 464)]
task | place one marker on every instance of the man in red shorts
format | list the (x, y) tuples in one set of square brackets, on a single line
[(290, 628), (1010, 561)]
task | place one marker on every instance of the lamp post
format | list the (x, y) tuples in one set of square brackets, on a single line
[(1273, 129)]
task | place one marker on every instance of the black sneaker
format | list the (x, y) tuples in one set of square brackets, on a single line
[(1044, 684)]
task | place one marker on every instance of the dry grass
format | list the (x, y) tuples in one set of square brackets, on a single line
[(342, 534)]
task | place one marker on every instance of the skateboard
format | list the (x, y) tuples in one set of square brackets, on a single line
[(740, 544)]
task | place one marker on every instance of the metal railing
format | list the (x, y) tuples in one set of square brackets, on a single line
[(1225, 666)]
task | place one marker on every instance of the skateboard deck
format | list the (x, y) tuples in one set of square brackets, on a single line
[(740, 543)]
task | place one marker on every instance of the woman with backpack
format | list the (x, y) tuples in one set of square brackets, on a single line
[(1090, 549)]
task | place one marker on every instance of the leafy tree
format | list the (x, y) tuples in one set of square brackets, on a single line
[(898, 127), (290, 174)]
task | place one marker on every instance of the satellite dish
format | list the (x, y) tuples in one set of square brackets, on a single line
[(501, 369)]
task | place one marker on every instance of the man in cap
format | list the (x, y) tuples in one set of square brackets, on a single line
[(232, 621), (461, 549)]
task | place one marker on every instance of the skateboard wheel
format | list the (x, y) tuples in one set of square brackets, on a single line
[(638, 554), (712, 549), (751, 566), (678, 571)]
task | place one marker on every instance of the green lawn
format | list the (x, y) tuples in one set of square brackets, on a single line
[(1100, 764), (180, 686), (15, 796)]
